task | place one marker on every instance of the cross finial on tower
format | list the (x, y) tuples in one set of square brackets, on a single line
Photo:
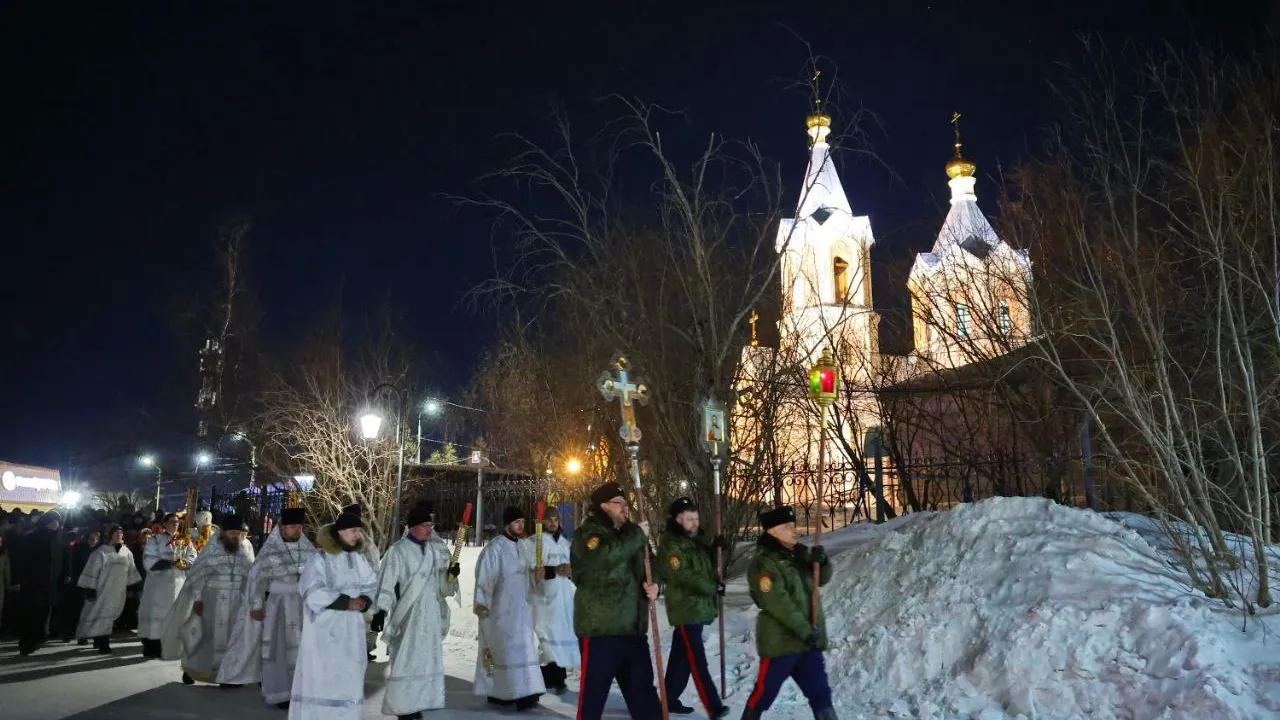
[(755, 317), (818, 122), (958, 166)]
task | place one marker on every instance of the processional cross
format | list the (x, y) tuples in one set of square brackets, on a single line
[(618, 385), (755, 317)]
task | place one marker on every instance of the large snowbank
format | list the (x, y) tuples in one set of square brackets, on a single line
[(1017, 607)]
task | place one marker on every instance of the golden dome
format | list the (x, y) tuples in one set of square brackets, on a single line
[(960, 166), (817, 119)]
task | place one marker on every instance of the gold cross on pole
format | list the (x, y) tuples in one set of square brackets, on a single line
[(755, 317), (955, 123)]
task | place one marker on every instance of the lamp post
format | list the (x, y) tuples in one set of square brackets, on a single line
[(433, 406), (824, 385), (477, 459), (149, 461), (371, 423)]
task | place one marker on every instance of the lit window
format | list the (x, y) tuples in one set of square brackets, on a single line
[(840, 270), (963, 323), (1006, 321)]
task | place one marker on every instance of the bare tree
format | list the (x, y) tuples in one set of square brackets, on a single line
[(1162, 312), (307, 421)]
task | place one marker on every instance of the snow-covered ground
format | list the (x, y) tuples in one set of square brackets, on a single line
[(1008, 608)]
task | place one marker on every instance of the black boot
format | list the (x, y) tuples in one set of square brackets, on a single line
[(828, 714), (722, 712), (103, 644), (527, 702), (283, 705), (187, 679), (749, 714)]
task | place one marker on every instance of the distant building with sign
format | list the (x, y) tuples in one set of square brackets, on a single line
[(29, 487)]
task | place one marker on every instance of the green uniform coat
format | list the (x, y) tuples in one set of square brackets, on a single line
[(608, 568), (780, 586), (688, 567)]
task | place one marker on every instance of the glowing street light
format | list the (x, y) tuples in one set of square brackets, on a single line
[(432, 407), (71, 498), (203, 458), (370, 424), (149, 461), (573, 467)]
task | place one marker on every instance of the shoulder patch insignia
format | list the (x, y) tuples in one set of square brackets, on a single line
[(593, 542), (674, 562), (765, 582)]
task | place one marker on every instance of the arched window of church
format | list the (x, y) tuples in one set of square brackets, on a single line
[(841, 270), (1006, 320), (964, 323)]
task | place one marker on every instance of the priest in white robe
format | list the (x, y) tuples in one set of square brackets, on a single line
[(337, 587), (507, 668), (413, 617), (264, 643), (198, 629), (166, 558), (552, 599), (108, 573)]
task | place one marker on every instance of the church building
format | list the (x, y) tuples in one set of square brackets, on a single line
[(969, 303)]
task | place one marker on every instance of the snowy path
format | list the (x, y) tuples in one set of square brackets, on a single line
[(70, 682)]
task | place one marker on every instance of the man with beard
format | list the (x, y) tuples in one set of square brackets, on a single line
[(552, 600), (507, 670), (413, 617), (106, 578), (264, 643), (688, 566), (38, 570), (790, 646), (199, 628), (165, 558), (337, 587), (610, 610)]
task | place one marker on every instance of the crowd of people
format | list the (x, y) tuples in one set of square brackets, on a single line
[(298, 615)]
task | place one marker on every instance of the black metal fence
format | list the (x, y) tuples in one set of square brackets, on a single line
[(451, 491), (855, 493), (259, 506)]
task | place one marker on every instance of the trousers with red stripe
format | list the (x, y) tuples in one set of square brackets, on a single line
[(689, 658), (808, 669), (625, 658)]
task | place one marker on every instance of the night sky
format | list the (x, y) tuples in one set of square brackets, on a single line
[(131, 134)]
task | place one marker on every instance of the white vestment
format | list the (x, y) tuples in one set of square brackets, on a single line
[(412, 585), (217, 580), (162, 587), (108, 572), (502, 586), (328, 683), (266, 651), (552, 602)]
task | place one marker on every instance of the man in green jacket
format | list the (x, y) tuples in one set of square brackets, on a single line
[(790, 644), (687, 560), (610, 609)]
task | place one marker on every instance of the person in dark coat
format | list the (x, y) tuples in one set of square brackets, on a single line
[(611, 608), (40, 571), (687, 566), (789, 642), (86, 541)]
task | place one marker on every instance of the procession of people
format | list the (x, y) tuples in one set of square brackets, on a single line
[(294, 619)]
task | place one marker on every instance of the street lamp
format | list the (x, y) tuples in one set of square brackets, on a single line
[(432, 407), (371, 423), (149, 461), (203, 458), (573, 467), (71, 498)]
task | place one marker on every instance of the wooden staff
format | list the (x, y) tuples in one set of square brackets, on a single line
[(634, 450), (540, 574), (715, 471)]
